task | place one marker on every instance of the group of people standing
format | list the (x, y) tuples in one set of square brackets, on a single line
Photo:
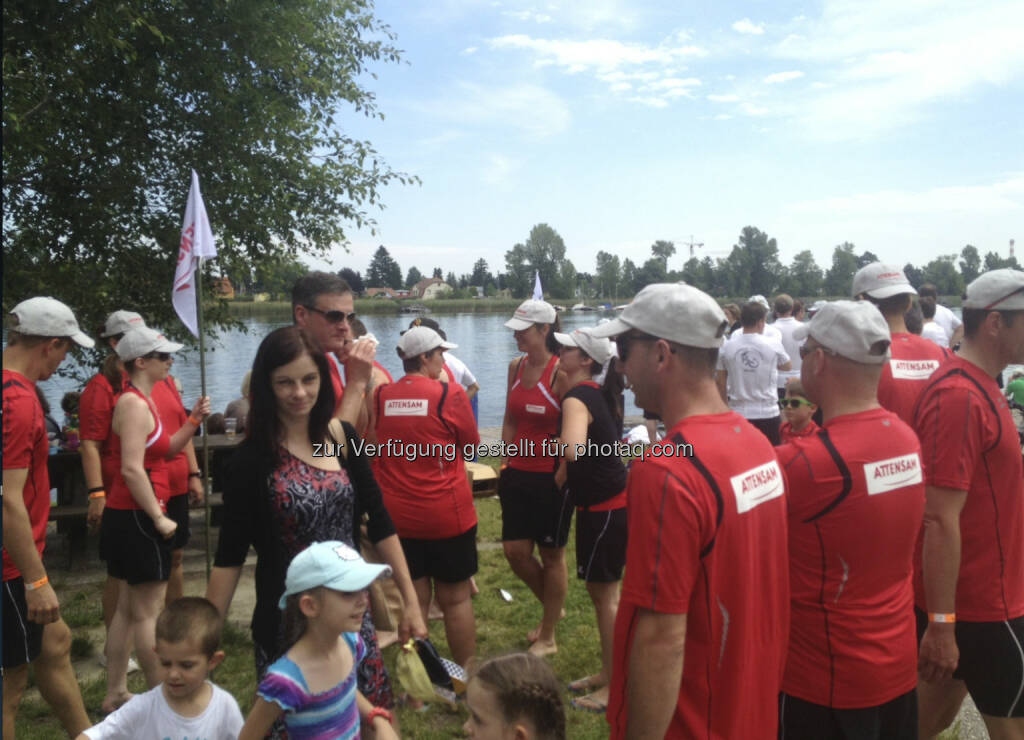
[(854, 582)]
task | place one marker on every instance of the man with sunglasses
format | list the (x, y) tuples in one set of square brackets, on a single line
[(913, 358), (969, 577), (856, 496), (323, 306), (703, 619)]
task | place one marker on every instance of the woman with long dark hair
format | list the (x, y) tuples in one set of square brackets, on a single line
[(533, 511), (593, 473), (298, 478)]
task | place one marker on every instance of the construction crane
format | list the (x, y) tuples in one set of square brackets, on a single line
[(691, 244)]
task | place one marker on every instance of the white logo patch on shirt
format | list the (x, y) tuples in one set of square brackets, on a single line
[(757, 485), (406, 407), (896, 472), (532, 408), (913, 369)]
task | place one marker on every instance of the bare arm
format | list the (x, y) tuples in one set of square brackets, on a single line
[(655, 673), (133, 422), (958, 334), (188, 430), (221, 588), (508, 428), (472, 390), (262, 717), (196, 493), (390, 550), (938, 654), (42, 603), (358, 372), (89, 451), (575, 420), (382, 729)]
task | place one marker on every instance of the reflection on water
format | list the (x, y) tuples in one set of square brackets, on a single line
[(485, 345)]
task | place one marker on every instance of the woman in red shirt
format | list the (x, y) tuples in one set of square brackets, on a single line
[(136, 533), (533, 510)]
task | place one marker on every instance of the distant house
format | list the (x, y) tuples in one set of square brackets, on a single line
[(222, 288), (429, 288), (402, 293), (379, 293)]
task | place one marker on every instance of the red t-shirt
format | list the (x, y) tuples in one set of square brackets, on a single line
[(338, 377), (120, 496), (707, 538), (535, 413), (787, 434), (95, 410), (422, 427), (26, 447), (906, 374), (852, 641), (173, 417), (969, 443)]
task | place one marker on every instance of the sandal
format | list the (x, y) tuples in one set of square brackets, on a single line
[(589, 704), (584, 685)]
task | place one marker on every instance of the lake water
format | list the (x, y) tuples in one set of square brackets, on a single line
[(485, 345)]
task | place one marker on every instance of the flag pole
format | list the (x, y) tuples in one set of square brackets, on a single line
[(202, 392)]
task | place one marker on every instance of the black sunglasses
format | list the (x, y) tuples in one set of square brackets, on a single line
[(794, 403), (624, 341), (334, 317), (162, 356)]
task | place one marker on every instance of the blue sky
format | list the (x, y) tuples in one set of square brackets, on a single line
[(895, 125)]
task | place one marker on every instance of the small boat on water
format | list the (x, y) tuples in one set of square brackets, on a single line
[(415, 308), (583, 307)]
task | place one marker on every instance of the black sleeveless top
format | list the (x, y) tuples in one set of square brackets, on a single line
[(598, 474)]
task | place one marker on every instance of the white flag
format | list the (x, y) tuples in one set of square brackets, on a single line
[(538, 294), (196, 244)]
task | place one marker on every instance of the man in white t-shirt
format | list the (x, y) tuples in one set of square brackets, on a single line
[(748, 371), (931, 329), (945, 318), (770, 332), (786, 324)]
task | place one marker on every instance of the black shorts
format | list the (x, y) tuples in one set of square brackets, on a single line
[(450, 560), (600, 545), (769, 428), (177, 509), (991, 663), (894, 720), (532, 508), (135, 552), (23, 640)]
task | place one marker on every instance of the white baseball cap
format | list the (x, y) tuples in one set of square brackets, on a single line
[(758, 298), (854, 329), (421, 339), (997, 290), (599, 349), (142, 340), (531, 312), (330, 564), (48, 317), (120, 322), (673, 311), (881, 281)]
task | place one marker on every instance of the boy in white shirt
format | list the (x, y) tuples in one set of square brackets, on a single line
[(185, 704)]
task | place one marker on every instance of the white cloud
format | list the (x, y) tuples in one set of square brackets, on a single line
[(527, 15), (753, 110), (722, 117), (531, 109), (776, 78), (650, 100), (469, 50), (498, 168), (747, 26), (596, 54), (724, 98)]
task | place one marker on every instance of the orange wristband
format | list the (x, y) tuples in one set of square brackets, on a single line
[(195, 420), (941, 618), (97, 494), (37, 584)]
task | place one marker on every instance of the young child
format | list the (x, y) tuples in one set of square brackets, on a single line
[(185, 704), (798, 412), (515, 696), (314, 684)]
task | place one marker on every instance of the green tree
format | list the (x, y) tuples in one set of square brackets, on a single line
[(914, 275), (481, 274), (567, 280), (609, 274), (839, 277), (629, 281), (970, 263), (353, 278), (754, 265), (994, 262), (277, 276), (700, 273), (942, 273), (452, 280), (804, 278), (866, 259), (652, 271), (438, 273), (518, 275), (543, 252), (383, 272), (107, 106), (663, 250), (413, 277)]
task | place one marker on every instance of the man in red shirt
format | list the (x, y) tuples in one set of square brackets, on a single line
[(970, 574), (914, 358), (856, 496), (33, 631), (323, 306), (701, 631)]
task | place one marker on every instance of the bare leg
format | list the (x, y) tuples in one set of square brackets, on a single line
[(119, 642), (423, 595), (606, 603), (556, 586), (1004, 728), (110, 589), (937, 705), (146, 601), (56, 679), (459, 622), (519, 554), (176, 581), (15, 681)]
